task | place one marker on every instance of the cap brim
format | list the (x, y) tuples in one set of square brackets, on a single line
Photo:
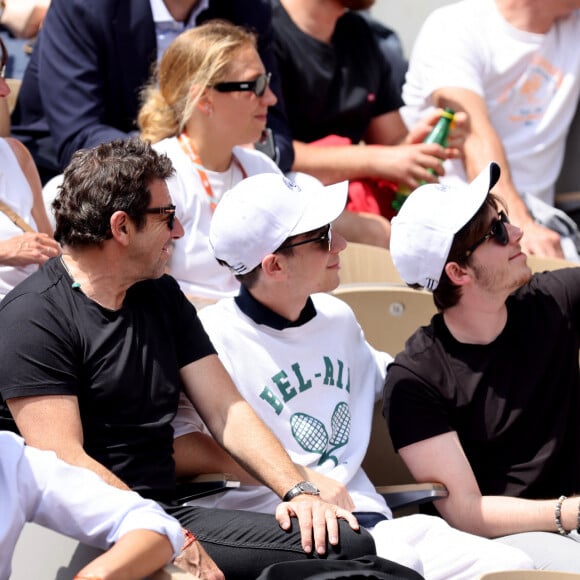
[(324, 205)]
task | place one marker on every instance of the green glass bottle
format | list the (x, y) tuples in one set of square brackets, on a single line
[(439, 135)]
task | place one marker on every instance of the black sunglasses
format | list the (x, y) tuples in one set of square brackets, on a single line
[(257, 86), (324, 239), (168, 210), (498, 231)]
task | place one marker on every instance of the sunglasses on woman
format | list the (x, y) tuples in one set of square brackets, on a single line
[(257, 86), (498, 231)]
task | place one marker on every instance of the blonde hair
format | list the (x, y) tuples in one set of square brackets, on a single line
[(200, 58)]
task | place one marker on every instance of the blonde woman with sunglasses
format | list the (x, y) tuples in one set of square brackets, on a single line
[(210, 97)]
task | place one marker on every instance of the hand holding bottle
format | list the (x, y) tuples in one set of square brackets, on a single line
[(438, 134)]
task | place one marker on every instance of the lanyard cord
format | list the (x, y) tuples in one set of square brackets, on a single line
[(189, 149)]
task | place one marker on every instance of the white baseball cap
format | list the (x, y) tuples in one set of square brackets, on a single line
[(423, 231), (260, 212)]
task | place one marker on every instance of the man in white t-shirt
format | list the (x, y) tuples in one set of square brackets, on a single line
[(300, 359), (513, 66)]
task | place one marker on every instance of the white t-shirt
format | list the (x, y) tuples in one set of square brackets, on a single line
[(16, 193), (192, 262), (314, 385), (530, 83), (36, 486)]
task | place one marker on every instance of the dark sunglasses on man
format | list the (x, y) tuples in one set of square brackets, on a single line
[(257, 86), (168, 210), (498, 231), (324, 239)]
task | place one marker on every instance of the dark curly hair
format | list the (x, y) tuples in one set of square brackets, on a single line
[(99, 181)]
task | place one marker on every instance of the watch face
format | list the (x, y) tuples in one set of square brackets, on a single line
[(308, 487)]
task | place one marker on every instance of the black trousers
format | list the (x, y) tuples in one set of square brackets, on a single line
[(243, 543)]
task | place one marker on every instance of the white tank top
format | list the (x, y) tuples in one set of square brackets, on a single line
[(15, 192)]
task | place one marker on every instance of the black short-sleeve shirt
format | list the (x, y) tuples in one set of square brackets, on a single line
[(336, 88), (514, 403), (123, 366)]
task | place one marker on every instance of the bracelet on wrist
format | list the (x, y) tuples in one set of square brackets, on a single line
[(558, 515), (189, 539)]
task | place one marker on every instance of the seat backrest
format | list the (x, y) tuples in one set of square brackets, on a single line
[(364, 263), (388, 315), (542, 264)]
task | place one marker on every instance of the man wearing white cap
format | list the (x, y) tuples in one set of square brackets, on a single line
[(96, 347), (486, 398), (299, 357)]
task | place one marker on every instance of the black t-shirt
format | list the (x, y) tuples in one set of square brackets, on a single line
[(514, 403), (332, 89), (123, 366)]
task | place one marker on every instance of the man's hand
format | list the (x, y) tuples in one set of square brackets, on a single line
[(331, 490), (455, 139), (195, 560), (316, 519), (540, 240)]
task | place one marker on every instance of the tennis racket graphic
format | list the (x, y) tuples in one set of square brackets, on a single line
[(312, 436)]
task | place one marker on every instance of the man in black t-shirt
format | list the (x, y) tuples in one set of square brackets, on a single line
[(338, 91), (96, 346), (486, 398)]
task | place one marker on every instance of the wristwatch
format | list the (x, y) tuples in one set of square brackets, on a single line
[(305, 487)]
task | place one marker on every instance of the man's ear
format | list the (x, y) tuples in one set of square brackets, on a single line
[(458, 275), (272, 265), (120, 227)]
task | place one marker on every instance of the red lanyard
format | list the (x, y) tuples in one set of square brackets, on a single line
[(189, 149)]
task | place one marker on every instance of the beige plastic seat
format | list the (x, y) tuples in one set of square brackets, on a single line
[(529, 574), (364, 263), (388, 315), (542, 264)]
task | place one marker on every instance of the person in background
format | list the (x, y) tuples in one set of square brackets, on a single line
[(100, 55), (520, 93), (20, 21), (391, 47), (210, 97), (25, 232), (485, 399), (36, 486), (339, 92)]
